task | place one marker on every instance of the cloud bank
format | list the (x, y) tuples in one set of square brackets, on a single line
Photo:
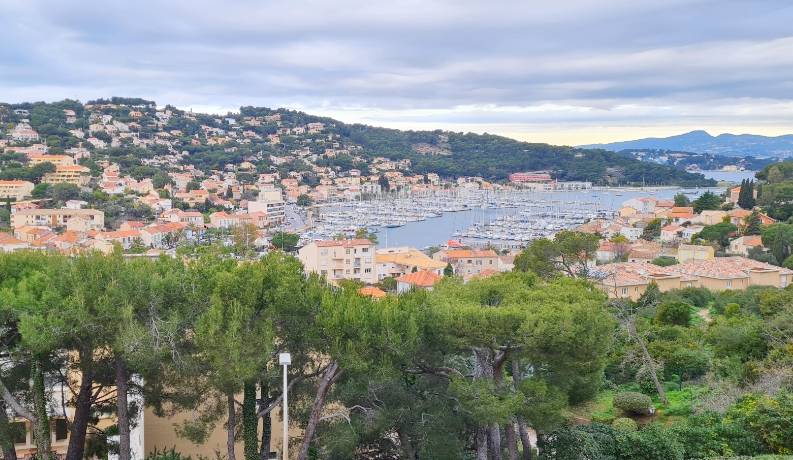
[(566, 72)]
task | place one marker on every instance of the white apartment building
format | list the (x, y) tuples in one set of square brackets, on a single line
[(341, 259)]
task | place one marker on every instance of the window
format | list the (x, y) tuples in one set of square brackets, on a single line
[(19, 433), (624, 291), (367, 270), (347, 251), (60, 429), (365, 250), (729, 284)]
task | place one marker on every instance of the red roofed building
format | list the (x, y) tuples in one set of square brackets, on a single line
[(423, 279)]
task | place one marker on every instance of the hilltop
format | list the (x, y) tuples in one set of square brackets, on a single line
[(703, 142), (137, 134)]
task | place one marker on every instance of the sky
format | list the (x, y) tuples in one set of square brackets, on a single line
[(566, 72)]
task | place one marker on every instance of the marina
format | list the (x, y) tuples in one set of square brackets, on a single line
[(504, 218)]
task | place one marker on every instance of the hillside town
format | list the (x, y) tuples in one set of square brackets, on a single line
[(276, 173)]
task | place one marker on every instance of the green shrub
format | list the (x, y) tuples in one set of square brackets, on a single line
[(167, 454), (633, 402), (644, 378), (625, 424), (674, 313)]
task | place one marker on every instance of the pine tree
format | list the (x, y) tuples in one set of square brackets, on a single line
[(753, 224), (746, 195)]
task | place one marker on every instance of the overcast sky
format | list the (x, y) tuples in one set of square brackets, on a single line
[(565, 72)]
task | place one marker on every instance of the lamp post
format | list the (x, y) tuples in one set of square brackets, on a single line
[(285, 359)]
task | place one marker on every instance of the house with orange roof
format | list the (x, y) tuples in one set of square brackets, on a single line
[(189, 218), (740, 246), (9, 243), (680, 214), (352, 259), (125, 238), (163, 235), (395, 262), (30, 233), (373, 292), (671, 233), (423, 279), (467, 262)]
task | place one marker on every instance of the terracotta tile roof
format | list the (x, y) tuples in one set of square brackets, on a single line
[(632, 273), (371, 291), (470, 253), (7, 238), (344, 243), (412, 258), (421, 278)]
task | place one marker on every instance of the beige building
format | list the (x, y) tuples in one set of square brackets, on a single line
[(629, 280), (740, 246), (395, 262), (57, 160), (77, 175), (469, 262), (341, 259), (57, 218), (689, 252), (15, 189)]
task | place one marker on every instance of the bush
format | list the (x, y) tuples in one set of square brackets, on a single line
[(633, 402), (625, 424), (644, 378), (674, 313)]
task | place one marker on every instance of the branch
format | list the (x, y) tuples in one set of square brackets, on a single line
[(345, 413), (277, 401), (442, 371), (15, 405)]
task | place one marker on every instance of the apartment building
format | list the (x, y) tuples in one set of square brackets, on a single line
[(57, 160), (469, 262), (15, 189), (77, 175), (271, 202), (341, 259), (91, 218)]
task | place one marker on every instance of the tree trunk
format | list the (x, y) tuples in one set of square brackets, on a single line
[(330, 374), (648, 361), (525, 440), (82, 407), (267, 422), (122, 408), (523, 428), (408, 450), (511, 438), (494, 440), (6, 441), (250, 422), (231, 426), (41, 426), (481, 443)]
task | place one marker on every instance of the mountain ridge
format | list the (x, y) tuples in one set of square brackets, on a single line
[(700, 141)]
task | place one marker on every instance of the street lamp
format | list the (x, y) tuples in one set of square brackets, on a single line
[(285, 359)]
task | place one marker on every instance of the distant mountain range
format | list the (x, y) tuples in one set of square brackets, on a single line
[(738, 145)]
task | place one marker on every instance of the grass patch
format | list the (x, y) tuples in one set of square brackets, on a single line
[(601, 409)]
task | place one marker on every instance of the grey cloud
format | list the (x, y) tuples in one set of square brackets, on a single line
[(575, 61)]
